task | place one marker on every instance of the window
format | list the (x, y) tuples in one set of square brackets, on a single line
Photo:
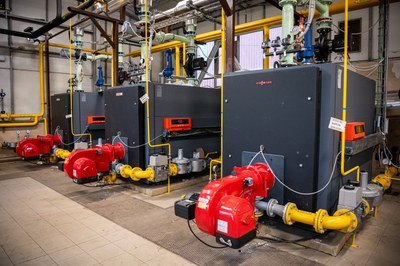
[(250, 52), (273, 34), (354, 39), (204, 51)]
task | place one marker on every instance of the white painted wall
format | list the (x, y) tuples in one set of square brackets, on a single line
[(25, 64)]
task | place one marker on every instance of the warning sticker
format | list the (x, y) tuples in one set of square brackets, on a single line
[(337, 124), (202, 203), (222, 226), (144, 98)]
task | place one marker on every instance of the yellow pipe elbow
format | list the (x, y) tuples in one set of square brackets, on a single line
[(384, 180), (391, 171), (342, 220)]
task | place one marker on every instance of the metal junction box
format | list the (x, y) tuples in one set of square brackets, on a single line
[(84, 104), (287, 110)]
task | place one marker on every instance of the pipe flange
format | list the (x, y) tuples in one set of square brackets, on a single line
[(285, 2), (125, 170), (287, 211), (319, 219), (327, 2), (353, 220), (367, 207), (173, 169), (270, 205)]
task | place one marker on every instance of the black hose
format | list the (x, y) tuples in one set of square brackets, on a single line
[(208, 245), (49, 26)]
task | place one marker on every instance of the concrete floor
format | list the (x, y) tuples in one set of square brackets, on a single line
[(45, 219)]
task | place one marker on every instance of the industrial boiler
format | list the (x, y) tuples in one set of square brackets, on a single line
[(288, 110), (186, 117), (87, 115)]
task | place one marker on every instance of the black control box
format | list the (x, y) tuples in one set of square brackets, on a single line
[(185, 209)]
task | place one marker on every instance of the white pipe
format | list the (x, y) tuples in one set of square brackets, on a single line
[(181, 8)]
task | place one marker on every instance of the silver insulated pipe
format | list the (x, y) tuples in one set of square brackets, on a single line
[(181, 8)]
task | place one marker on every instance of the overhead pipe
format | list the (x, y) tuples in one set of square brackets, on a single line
[(335, 8), (181, 8), (49, 26)]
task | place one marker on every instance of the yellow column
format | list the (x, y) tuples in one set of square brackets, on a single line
[(266, 37)]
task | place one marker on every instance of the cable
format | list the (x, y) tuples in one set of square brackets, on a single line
[(361, 32), (289, 188), (208, 245), (133, 147), (61, 138)]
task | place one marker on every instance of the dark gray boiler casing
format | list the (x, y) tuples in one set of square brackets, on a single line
[(126, 114), (288, 111), (84, 104)]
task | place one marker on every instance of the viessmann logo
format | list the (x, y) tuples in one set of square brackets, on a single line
[(264, 82)]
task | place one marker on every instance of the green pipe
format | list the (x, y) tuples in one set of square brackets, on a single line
[(325, 20), (287, 26)]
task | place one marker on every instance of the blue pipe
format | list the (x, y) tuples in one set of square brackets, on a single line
[(169, 70), (308, 51), (100, 80)]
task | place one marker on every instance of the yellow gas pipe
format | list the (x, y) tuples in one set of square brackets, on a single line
[(61, 153), (223, 58), (42, 102), (147, 93), (136, 173), (344, 108), (385, 180), (343, 220)]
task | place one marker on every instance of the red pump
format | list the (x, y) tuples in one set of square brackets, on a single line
[(225, 207), (84, 165), (33, 148)]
